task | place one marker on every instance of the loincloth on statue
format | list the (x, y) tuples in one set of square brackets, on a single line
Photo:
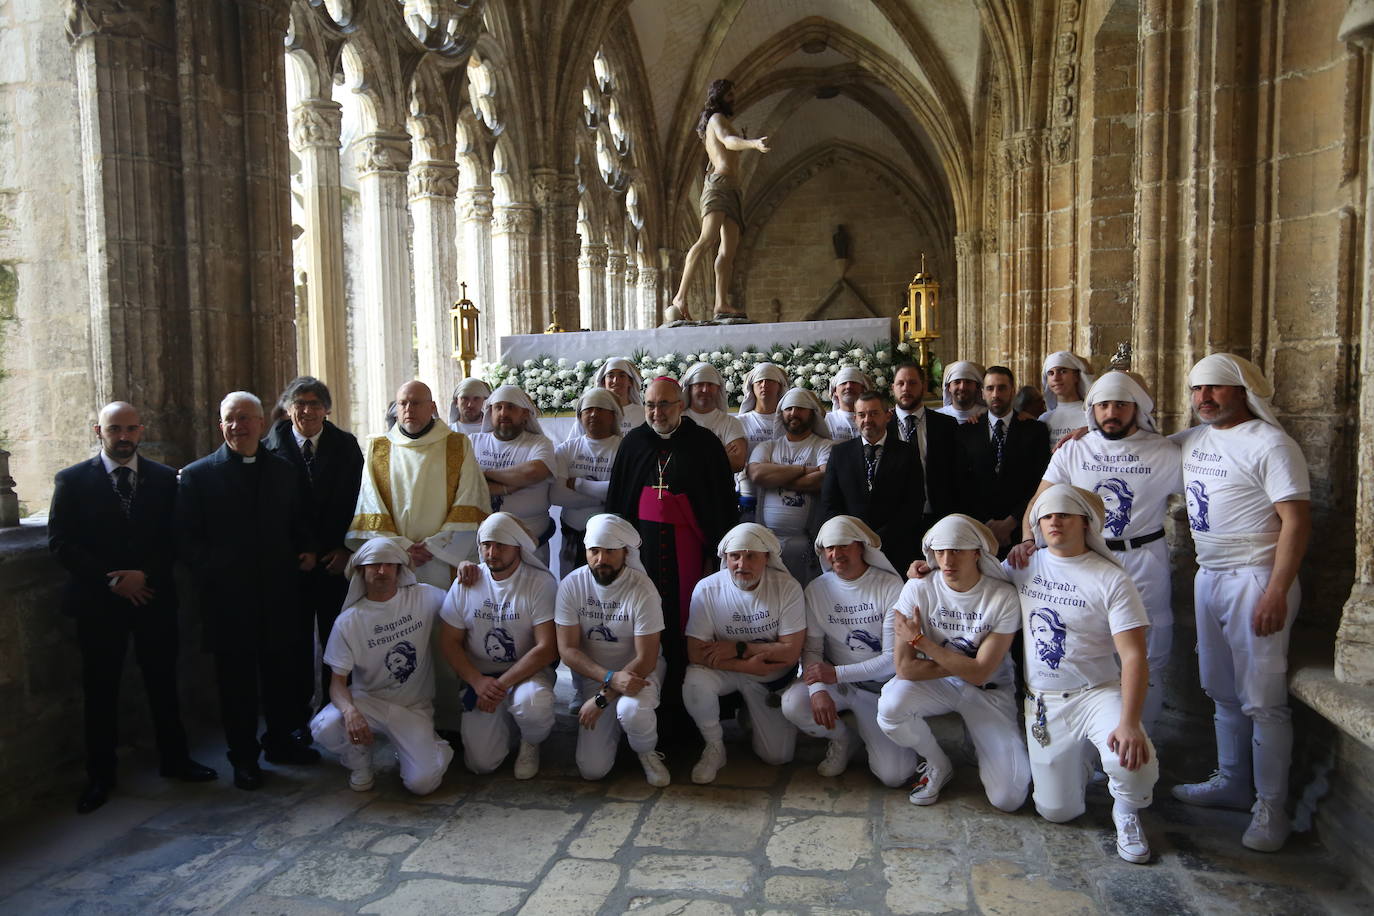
[(720, 193)]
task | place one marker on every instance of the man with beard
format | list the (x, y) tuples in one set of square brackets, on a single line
[(621, 378), (583, 474), (745, 635), (1078, 694), (706, 406), (518, 461), (498, 636), (761, 418), (465, 407), (610, 620), (847, 656), (1251, 518), (111, 528), (961, 385), (1065, 381), (1134, 470), (845, 389), (788, 472), (933, 433), (672, 481)]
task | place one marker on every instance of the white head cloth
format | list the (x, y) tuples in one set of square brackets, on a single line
[(598, 397), (801, 397), (624, 365), (1118, 385), (1072, 500), (612, 531), (467, 388), (704, 372), (963, 369), (849, 374), (758, 373), (846, 529), (1228, 369), (511, 394), (504, 528), (752, 536), (372, 552), (959, 532), (1063, 359)]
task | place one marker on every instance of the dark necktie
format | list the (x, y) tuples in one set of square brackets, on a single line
[(124, 486), (999, 439), (909, 428), (308, 452), (870, 462)]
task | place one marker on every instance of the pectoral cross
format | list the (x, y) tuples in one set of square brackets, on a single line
[(661, 486)]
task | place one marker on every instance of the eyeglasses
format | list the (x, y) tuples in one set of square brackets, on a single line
[(308, 405), (659, 405)]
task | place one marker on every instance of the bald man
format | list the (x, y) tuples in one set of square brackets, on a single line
[(111, 529)]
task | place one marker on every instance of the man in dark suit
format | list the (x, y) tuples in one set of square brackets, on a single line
[(110, 527), (877, 477), (933, 434), (331, 468), (1001, 458), (245, 535)]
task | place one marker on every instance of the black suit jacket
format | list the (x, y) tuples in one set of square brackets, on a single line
[(243, 546), (90, 536), (988, 494), (893, 508), (941, 450), (331, 495)]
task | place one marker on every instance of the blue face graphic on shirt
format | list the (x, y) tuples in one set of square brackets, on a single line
[(960, 644), (1196, 494), (1117, 498), (792, 498), (400, 661), (862, 639), (602, 633), (499, 645), (1049, 633)]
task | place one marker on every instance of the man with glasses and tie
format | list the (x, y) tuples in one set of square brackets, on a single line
[(933, 434), (332, 464)]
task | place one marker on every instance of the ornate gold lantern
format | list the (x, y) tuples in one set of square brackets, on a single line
[(463, 315), (920, 321)]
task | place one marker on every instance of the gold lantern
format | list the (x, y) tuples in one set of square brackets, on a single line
[(920, 321), (463, 315)]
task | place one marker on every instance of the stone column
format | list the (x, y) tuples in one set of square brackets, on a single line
[(474, 264), (591, 271), (1024, 156), (649, 297), (315, 141), (433, 187), (630, 286), (383, 159), (968, 336), (615, 291), (510, 255)]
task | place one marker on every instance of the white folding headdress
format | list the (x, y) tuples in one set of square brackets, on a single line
[(1063, 359), (752, 536), (511, 394), (758, 373), (1118, 385), (625, 365), (598, 397), (372, 552), (467, 388), (704, 372), (614, 532), (1229, 369), (960, 532), (801, 397), (1071, 500), (504, 528), (846, 529), (963, 369), (848, 374)]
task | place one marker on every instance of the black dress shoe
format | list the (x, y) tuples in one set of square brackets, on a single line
[(93, 796), (291, 753), (248, 777), (188, 771)]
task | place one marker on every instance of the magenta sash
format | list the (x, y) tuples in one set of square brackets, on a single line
[(675, 509)]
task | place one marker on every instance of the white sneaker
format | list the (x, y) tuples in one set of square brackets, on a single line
[(1269, 828), (654, 770), (712, 759), (928, 786), (1216, 792), (1131, 844), (836, 757), (527, 761), (361, 780)]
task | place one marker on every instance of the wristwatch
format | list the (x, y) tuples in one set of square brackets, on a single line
[(600, 701), (740, 648)]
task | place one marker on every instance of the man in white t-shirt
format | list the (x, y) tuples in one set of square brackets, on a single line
[(1079, 613), (382, 641), (1065, 380), (518, 462), (706, 405), (609, 620), (621, 378), (787, 473), (1249, 505), (761, 417), (845, 388), (465, 407), (962, 385), (497, 633), (848, 652), (1134, 470), (952, 632), (583, 471), (744, 635)]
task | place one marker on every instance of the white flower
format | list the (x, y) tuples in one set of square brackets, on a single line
[(528, 364), (856, 352), (834, 354), (581, 365), (562, 361), (730, 386), (737, 366), (668, 358), (904, 347), (817, 381), (715, 354), (881, 356), (598, 361), (863, 365), (777, 356), (798, 352), (834, 367), (879, 382)]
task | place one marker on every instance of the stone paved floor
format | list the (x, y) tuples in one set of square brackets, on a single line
[(762, 840)]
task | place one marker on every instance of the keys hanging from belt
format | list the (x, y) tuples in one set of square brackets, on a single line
[(1040, 730)]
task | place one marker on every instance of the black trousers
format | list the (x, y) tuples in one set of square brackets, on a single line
[(264, 677), (321, 600), (104, 635)]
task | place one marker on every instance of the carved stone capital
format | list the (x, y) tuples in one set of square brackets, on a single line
[(594, 256), (433, 178), (382, 153), (648, 278), (119, 18), (615, 263), (631, 275), (475, 204), (315, 123), (512, 221), (1060, 144), (1023, 150)]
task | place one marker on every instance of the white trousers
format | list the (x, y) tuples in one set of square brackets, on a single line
[(1148, 568), (774, 738), (424, 755), (486, 735), (1247, 677), (989, 718), (892, 764), (636, 716), (1061, 770)]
